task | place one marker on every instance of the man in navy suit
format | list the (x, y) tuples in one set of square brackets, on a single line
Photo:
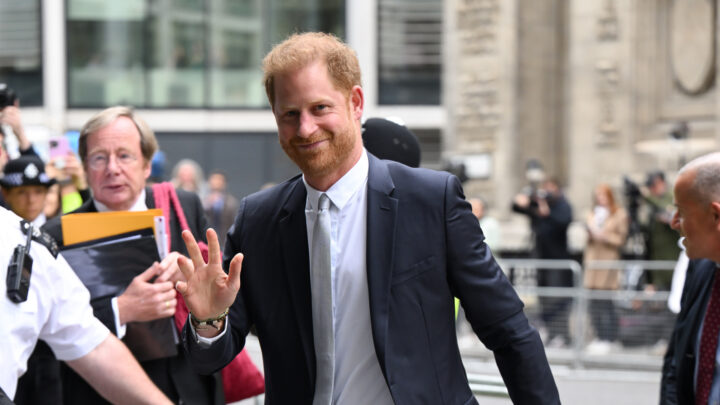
[(403, 242), (697, 218)]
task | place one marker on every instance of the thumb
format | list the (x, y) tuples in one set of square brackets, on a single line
[(181, 287)]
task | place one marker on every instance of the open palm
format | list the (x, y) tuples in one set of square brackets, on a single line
[(208, 290)]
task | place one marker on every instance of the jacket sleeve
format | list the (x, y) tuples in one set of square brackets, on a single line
[(669, 382), (492, 307), (102, 309)]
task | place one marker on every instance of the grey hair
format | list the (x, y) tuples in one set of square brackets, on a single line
[(148, 142), (706, 184)]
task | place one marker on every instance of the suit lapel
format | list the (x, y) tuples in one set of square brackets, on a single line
[(149, 197), (381, 222), (294, 245)]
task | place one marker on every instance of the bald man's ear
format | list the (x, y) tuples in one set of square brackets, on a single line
[(715, 208)]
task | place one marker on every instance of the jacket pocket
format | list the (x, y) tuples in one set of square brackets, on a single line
[(414, 270)]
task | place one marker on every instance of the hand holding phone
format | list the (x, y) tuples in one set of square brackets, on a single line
[(59, 149)]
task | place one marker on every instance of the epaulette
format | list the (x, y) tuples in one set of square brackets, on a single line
[(42, 238)]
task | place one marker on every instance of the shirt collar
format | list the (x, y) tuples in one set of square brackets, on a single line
[(139, 205), (343, 189), (40, 220)]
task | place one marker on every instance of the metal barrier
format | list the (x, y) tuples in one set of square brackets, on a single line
[(630, 304)]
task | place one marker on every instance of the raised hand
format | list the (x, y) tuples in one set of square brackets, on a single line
[(208, 291), (146, 301)]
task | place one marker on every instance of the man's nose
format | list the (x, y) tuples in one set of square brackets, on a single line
[(307, 125), (113, 164)]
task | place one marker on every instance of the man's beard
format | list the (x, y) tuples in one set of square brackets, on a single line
[(326, 160)]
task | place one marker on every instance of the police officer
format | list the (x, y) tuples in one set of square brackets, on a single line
[(55, 307), (25, 185)]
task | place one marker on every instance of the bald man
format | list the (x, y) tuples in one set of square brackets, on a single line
[(689, 375)]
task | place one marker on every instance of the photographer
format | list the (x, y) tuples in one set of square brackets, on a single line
[(662, 239), (550, 215), (11, 123), (650, 208)]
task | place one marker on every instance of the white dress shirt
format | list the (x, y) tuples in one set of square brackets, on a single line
[(358, 378), (57, 309)]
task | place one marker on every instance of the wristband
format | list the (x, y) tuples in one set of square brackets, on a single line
[(212, 322)]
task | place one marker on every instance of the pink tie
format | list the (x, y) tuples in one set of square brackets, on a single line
[(708, 345)]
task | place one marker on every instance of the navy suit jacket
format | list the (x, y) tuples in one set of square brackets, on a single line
[(678, 372), (424, 246)]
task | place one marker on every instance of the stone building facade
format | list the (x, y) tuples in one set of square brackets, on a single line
[(592, 89)]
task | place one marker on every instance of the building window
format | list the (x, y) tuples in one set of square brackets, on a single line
[(21, 50), (182, 53), (409, 51)]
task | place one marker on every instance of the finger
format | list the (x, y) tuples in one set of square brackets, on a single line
[(168, 268), (186, 267), (181, 286), (149, 273), (192, 248), (234, 273), (167, 307), (214, 254), (164, 287), (166, 274), (168, 295)]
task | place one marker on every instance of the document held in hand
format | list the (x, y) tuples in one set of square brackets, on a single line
[(106, 266), (83, 227)]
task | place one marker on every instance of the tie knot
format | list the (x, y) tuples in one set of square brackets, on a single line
[(323, 202)]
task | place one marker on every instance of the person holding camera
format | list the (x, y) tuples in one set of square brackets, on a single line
[(550, 215), (44, 299), (11, 123), (662, 240)]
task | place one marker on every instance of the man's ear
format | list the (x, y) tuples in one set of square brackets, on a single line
[(357, 102), (715, 208)]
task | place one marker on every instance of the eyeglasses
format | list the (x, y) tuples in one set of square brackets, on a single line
[(100, 161)]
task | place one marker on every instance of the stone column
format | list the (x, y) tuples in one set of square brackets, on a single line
[(600, 96), (479, 93)]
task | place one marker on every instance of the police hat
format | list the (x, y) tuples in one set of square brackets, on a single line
[(26, 170), (389, 140)]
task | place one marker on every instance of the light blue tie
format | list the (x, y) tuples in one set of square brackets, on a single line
[(322, 307)]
